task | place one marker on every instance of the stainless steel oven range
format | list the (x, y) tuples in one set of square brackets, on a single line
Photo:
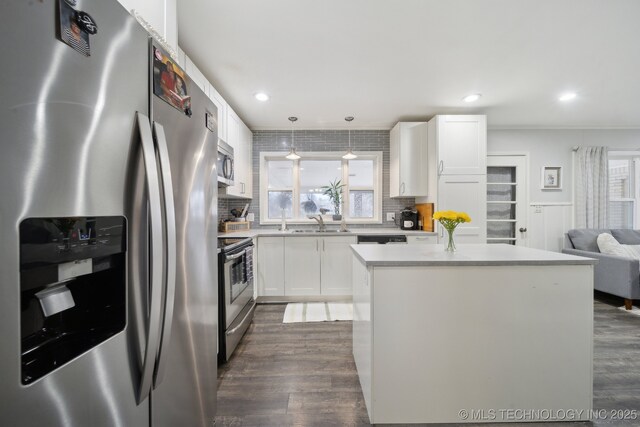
[(235, 283)]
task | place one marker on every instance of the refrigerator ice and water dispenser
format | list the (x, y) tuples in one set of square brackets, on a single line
[(72, 288)]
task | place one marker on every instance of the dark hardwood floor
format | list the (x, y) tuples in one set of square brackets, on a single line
[(303, 374)]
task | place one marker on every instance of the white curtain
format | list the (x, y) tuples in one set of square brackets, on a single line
[(592, 187)]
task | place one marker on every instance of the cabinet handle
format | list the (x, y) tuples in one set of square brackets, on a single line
[(523, 229), (402, 186), (242, 183), (440, 167)]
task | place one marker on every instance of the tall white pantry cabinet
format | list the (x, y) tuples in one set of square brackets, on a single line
[(457, 172)]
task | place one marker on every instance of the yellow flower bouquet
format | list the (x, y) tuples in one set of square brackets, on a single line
[(450, 220)]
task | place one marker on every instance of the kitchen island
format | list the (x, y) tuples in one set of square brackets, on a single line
[(490, 333)]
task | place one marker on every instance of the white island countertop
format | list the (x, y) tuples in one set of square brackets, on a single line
[(467, 254)]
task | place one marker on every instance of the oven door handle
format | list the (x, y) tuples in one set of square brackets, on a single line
[(235, 256)]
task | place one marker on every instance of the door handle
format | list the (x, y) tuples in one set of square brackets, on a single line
[(523, 229), (170, 251), (156, 269), (225, 167), (234, 256)]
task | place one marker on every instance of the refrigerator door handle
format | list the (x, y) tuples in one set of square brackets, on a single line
[(170, 228), (156, 267)]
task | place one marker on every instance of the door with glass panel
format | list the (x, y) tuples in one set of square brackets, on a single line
[(506, 199)]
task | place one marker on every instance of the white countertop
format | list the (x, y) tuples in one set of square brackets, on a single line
[(467, 254), (266, 232)]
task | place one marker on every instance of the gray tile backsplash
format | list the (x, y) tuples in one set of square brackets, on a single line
[(318, 140)]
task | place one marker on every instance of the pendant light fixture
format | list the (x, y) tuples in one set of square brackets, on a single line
[(292, 153), (349, 154)]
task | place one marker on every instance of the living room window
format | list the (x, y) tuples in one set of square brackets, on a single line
[(624, 190), (295, 187)]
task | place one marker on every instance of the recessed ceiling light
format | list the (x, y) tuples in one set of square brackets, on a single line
[(568, 96), (472, 98), (261, 96)]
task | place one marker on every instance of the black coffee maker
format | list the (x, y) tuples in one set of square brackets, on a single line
[(409, 219)]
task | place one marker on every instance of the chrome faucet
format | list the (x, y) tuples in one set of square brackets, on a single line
[(320, 222)]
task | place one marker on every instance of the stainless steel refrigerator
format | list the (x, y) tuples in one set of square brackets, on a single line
[(108, 222)]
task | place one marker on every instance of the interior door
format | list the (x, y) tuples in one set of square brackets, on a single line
[(507, 199)]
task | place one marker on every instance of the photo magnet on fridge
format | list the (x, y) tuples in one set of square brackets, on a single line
[(70, 31), (170, 82)]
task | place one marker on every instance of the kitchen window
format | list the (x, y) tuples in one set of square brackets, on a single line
[(294, 187)]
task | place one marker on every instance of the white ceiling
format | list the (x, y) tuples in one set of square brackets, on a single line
[(383, 61)]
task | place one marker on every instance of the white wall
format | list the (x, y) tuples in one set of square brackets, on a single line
[(553, 148), (550, 212)]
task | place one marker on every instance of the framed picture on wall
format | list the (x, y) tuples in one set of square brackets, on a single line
[(551, 178)]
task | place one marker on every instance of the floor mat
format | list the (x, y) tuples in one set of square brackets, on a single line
[(317, 312)]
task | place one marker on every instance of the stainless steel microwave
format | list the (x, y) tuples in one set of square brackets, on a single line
[(225, 164)]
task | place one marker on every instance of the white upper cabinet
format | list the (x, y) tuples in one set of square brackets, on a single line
[(221, 104), (241, 139), (162, 15), (461, 144), (246, 146), (196, 75), (408, 160), (232, 130)]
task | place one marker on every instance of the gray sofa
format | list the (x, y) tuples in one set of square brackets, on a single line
[(613, 274)]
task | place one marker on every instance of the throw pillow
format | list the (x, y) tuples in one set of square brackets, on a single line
[(609, 245)]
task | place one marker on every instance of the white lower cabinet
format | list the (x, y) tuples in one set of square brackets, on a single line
[(304, 266), (335, 273), (301, 266), (270, 266), (422, 240)]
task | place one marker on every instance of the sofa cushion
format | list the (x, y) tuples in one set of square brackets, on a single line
[(584, 239), (610, 246), (627, 237)]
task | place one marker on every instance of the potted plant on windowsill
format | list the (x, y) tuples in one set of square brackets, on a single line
[(334, 191)]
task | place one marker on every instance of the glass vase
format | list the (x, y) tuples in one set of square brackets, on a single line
[(450, 245)]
